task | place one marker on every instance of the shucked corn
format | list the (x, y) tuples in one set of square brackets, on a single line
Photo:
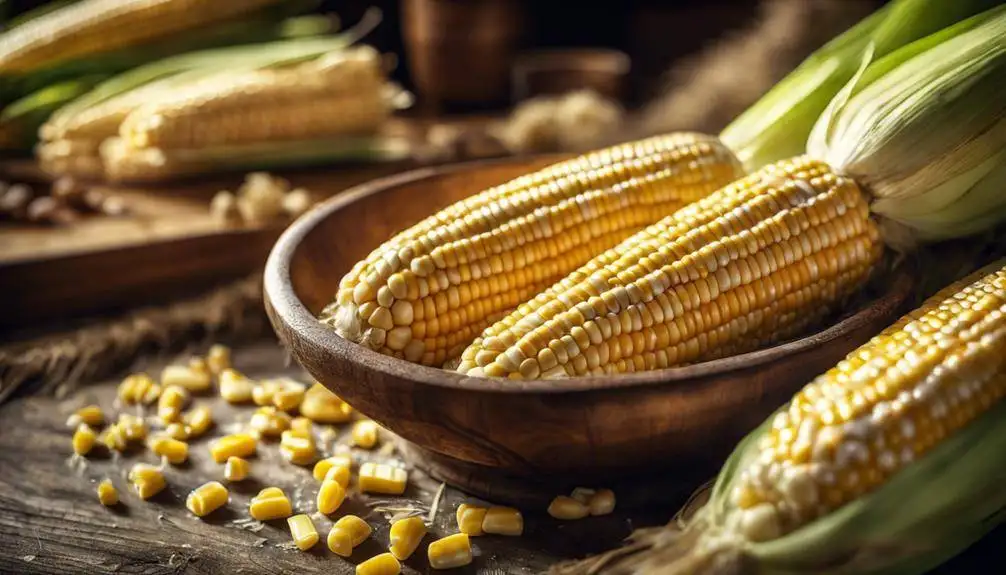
[(425, 294), (756, 262)]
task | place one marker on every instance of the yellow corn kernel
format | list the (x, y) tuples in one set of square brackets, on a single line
[(236, 469), (322, 406), (171, 449), (268, 421), (133, 427), (383, 564), (199, 365), (196, 379), (235, 387), (147, 480), (382, 478), (114, 438), (503, 521), (288, 395), (302, 425), (450, 552), (348, 532), (297, 449), (237, 445), (567, 508), (108, 495), (89, 414), (173, 400), (405, 536), (330, 496), (365, 434), (340, 474), (207, 498), (263, 392), (323, 466), (583, 494), (302, 529), (84, 439), (602, 503), (470, 518), (139, 388), (177, 430), (218, 358), (199, 420), (270, 503)]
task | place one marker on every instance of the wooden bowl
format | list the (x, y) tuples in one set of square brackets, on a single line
[(589, 427), (559, 71)]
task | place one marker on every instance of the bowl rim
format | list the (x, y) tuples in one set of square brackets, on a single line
[(280, 295)]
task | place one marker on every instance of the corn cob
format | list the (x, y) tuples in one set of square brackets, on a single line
[(340, 93), (755, 262), (890, 462), (94, 26), (427, 292)]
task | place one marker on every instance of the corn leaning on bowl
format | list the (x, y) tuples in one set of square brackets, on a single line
[(426, 293), (754, 263)]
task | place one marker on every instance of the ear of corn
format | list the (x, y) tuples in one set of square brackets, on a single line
[(891, 462), (777, 126), (756, 262), (94, 26), (427, 292)]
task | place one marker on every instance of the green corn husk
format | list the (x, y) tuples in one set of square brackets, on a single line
[(22, 119), (776, 127), (924, 131)]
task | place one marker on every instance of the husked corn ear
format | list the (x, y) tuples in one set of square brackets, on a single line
[(297, 102), (885, 406), (426, 293), (754, 263), (95, 26)]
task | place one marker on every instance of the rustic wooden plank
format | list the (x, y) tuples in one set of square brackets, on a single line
[(51, 522)]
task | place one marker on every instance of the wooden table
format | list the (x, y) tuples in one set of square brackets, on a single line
[(51, 521)]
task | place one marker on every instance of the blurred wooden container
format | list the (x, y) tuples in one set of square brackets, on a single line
[(459, 52), (558, 71)]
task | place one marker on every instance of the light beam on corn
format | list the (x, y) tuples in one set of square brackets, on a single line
[(427, 292), (763, 259)]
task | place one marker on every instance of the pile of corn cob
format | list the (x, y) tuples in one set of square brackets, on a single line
[(891, 462)]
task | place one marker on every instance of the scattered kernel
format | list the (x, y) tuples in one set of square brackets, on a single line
[(177, 430), (90, 414), (268, 421), (503, 521), (405, 536), (113, 438), (263, 392), (195, 379), (173, 400), (383, 564), (302, 529), (288, 395), (133, 428), (365, 434), (218, 358), (322, 406), (84, 439), (323, 466), (108, 495), (171, 449), (235, 387), (147, 480), (139, 388), (297, 449), (199, 420), (236, 469), (583, 494), (348, 532), (382, 478), (302, 426), (567, 508), (450, 552), (237, 445), (270, 503), (207, 498), (470, 518), (331, 494)]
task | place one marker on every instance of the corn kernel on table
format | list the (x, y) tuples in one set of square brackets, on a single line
[(51, 520)]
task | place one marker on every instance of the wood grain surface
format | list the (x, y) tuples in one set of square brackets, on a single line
[(52, 523)]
